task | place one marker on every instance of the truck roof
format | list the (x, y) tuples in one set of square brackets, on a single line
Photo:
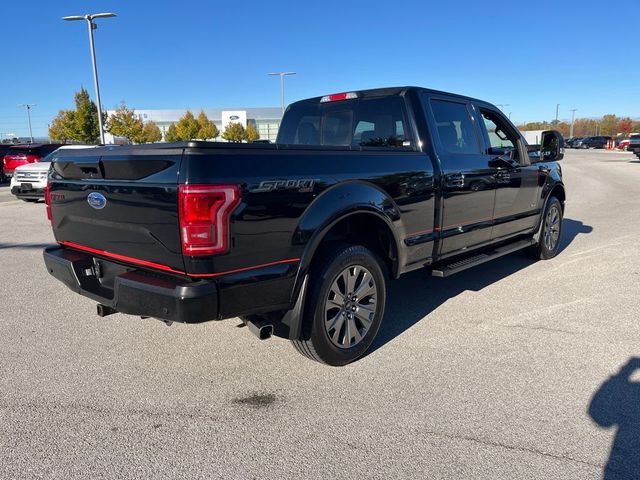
[(379, 92)]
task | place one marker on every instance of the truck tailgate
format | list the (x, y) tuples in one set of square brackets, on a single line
[(111, 200)]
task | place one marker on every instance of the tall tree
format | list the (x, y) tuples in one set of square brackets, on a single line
[(584, 127), (63, 127), (125, 123), (171, 135), (625, 126), (86, 118), (151, 133), (187, 127), (609, 125), (234, 133), (251, 134), (207, 129)]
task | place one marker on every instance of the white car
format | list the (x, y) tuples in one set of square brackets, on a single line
[(30, 180)]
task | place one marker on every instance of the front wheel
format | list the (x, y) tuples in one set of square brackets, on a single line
[(344, 309), (549, 243)]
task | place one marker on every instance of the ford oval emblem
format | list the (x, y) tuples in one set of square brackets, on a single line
[(234, 117), (96, 200)]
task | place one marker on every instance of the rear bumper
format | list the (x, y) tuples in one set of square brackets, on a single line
[(134, 291)]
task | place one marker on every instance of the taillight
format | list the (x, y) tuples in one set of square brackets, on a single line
[(47, 200), (21, 157), (204, 212), (338, 96)]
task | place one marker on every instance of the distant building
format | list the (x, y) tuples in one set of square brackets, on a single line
[(266, 120)]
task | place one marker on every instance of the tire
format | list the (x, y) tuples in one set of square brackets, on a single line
[(29, 200), (551, 233), (334, 325)]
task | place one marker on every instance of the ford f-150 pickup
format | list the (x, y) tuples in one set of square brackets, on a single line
[(300, 237)]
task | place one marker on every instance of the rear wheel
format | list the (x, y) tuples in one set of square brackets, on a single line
[(549, 244), (344, 309)]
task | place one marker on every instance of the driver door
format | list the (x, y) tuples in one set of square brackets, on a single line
[(517, 192)]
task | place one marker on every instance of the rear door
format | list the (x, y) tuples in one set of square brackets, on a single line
[(468, 183), (517, 190), (119, 200)]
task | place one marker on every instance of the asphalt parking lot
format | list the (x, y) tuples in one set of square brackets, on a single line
[(496, 373)]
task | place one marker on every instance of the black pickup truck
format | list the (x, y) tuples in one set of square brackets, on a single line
[(299, 238)]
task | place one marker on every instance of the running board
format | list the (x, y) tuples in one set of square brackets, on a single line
[(461, 265)]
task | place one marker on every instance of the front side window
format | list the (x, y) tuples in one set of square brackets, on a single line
[(502, 139), (454, 127)]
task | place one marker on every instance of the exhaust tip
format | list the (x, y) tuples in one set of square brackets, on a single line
[(265, 332), (104, 310), (260, 329)]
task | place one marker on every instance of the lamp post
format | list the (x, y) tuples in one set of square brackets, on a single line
[(557, 108), (282, 75), (573, 119), (92, 26), (29, 106), (502, 105)]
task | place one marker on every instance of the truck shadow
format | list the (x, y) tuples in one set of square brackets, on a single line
[(617, 404), (416, 294)]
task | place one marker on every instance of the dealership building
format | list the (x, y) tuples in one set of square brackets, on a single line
[(266, 120)]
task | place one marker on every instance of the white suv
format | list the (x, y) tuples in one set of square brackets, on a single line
[(30, 180)]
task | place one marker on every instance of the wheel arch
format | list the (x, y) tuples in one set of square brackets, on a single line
[(559, 192), (339, 211)]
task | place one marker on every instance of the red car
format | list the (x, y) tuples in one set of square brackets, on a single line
[(625, 143), (23, 154)]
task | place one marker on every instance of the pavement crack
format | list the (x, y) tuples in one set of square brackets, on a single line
[(480, 441)]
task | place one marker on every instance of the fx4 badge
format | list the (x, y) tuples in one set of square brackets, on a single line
[(302, 186)]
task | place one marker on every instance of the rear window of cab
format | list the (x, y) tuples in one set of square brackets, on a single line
[(364, 122)]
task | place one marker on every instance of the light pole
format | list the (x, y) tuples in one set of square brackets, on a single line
[(573, 119), (92, 26), (29, 106), (502, 105), (557, 108), (282, 75)]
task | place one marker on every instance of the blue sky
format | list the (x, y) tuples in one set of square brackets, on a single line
[(178, 54)]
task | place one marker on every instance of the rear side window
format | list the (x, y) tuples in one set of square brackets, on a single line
[(454, 127), (365, 122)]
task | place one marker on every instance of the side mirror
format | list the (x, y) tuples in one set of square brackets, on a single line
[(552, 148)]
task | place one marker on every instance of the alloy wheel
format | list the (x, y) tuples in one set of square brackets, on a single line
[(350, 307), (552, 228)]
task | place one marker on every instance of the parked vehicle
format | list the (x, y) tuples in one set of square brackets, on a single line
[(624, 143), (593, 142), (299, 238), (634, 146), (4, 148), (30, 180), (22, 154), (571, 142)]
